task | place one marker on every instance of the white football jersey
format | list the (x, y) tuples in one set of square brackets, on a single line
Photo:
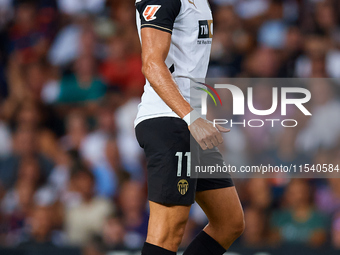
[(191, 25)]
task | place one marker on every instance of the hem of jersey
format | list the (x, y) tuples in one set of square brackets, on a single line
[(164, 29), (153, 116)]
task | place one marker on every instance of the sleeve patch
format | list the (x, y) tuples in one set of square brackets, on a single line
[(150, 12)]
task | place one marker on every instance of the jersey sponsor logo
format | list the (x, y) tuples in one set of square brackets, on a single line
[(183, 186), (150, 12), (205, 29), (192, 2)]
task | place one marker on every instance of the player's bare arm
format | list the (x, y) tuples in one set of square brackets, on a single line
[(155, 48)]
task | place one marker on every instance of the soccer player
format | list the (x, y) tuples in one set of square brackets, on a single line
[(176, 40)]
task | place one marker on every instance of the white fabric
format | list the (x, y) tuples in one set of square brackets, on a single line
[(191, 117), (6, 4), (6, 140), (45, 196), (93, 147), (50, 92), (59, 178), (129, 149), (65, 47), (73, 7), (86, 220)]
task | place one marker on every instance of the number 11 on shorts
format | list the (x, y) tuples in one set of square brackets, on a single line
[(180, 161)]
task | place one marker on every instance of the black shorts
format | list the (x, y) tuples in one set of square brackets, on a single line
[(166, 143)]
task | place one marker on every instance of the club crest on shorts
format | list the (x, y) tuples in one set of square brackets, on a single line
[(150, 12), (183, 186)]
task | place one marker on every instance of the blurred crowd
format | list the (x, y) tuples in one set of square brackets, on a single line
[(71, 171)]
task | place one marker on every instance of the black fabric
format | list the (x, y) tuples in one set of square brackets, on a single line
[(213, 183), (172, 68), (162, 139), (158, 14), (150, 249), (204, 244)]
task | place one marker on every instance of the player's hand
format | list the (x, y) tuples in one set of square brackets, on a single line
[(206, 134)]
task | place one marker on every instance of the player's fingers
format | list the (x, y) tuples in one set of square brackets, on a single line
[(209, 144), (222, 129), (202, 145), (219, 138), (214, 140)]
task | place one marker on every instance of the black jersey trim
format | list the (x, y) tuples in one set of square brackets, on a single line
[(172, 68), (164, 29)]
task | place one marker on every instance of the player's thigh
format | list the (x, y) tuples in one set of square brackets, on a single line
[(218, 197), (222, 207)]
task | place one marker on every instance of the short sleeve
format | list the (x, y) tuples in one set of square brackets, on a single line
[(158, 14)]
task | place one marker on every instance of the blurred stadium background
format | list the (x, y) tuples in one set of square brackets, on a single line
[(71, 172)]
